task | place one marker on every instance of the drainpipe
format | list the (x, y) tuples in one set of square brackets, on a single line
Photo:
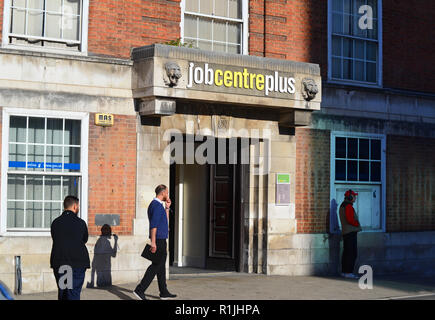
[(18, 278)]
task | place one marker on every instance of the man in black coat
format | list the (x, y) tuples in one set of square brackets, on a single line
[(69, 256)]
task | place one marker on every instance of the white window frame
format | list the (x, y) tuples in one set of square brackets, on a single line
[(244, 21), (83, 35), (7, 112), (382, 183), (379, 81)]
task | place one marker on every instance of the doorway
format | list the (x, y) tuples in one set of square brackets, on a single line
[(206, 227)]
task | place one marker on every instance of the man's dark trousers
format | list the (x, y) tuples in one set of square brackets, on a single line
[(78, 279), (350, 252), (156, 268)]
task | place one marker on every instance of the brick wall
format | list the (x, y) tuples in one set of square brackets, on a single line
[(112, 172), (312, 180), (410, 184)]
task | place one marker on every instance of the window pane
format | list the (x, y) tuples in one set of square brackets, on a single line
[(233, 48), (15, 214), (352, 148), (190, 26), (373, 33), (371, 72), (352, 170), (51, 211), (19, 3), (234, 33), (337, 5), (371, 50), (347, 24), (363, 171), (206, 6), (221, 8), (336, 68), (17, 156), (340, 169), (36, 130), (34, 188), (375, 171), (35, 22), (72, 132), (54, 159), (336, 46), (35, 158), (54, 5), (35, 4), (340, 147), (54, 131), (205, 45), (34, 215), (375, 150), (192, 5), (17, 129), (347, 69), (337, 23), (71, 6), (219, 47), (359, 71), (374, 5), (52, 188), (205, 29), (347, 48), (15, 187), (348, 7), (71, 186), (18, 18), (71, 28), (72, 159), (363, 148), (235, 9), (54, 26), (219, 31), (359, 49)]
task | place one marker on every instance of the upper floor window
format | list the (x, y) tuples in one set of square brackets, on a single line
[(355, 41), (215, 25), (45, 23)]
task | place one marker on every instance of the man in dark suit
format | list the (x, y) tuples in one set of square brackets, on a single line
[(69, 253), (158, 215)]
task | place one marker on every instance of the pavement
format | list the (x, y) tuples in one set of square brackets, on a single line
[(199, 285)]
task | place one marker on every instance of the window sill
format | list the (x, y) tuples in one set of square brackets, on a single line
[(16, 234)]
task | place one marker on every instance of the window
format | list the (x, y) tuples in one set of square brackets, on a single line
[(44, 164), (357, 159), (46, 23), (358, 163), (215, 25), (354, 52)]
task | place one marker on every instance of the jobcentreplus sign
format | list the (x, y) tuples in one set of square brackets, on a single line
[(242, 79)]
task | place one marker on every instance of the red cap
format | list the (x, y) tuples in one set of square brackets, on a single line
[(350, 192)]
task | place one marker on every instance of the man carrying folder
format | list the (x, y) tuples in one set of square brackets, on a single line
[(158, 215)]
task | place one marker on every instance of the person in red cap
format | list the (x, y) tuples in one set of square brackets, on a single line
[(350, 227)]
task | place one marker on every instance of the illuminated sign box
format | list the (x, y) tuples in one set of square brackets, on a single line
[(104, 119), (282, 189)]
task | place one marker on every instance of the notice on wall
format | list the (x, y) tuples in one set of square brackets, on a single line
[(282, 189)]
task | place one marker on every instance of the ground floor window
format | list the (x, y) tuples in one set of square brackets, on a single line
[(358, 163), (44, 155)]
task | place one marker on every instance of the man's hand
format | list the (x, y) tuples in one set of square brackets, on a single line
[(168, 203), (153, 248)]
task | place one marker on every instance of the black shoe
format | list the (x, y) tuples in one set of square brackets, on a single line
[(139, 295), (167, 295)]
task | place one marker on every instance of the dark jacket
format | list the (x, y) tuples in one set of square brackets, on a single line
[(348, 218), (69, 234)]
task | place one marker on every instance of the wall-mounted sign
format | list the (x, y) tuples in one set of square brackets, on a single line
[(104, 119), (282, 189)]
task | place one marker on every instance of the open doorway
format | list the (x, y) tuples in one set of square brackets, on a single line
[(206, 227)]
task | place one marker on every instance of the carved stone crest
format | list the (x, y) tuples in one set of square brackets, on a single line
[(173, 74), (309, 89)]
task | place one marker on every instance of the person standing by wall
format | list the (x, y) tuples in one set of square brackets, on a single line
[(350, 227), (158, 215), (69, 234)]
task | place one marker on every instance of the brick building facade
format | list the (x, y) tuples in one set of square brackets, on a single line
[(376, 94)]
